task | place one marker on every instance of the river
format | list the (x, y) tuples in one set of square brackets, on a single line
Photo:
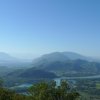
[(67, 78)]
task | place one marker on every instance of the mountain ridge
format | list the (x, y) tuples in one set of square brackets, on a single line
[(60, 56)]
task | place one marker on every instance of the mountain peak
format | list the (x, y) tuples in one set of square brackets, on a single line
[(74, 56)]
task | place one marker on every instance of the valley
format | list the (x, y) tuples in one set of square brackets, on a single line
[(82, 73)]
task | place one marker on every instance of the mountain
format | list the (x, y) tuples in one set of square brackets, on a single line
[(6, 57), (10, 61), (31, 75), (52, 70), (75, 56), (37, 74), (55, 65), (64, 62), (5, 70), (59, 56), (52, 57), (72, 67), (67, 63), (7, 60)]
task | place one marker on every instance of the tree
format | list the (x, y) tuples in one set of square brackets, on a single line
[(42, 91), (50, 91), (1, 83)]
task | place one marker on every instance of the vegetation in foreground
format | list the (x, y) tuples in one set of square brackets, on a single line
[(42, 91)]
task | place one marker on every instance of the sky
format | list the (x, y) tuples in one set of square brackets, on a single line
[(34, 27)]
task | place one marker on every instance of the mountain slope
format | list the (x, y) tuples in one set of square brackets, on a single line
[(72, 67), (37, 74), (10, 61), (75, 56), (5, 70), (6, 57), (30, 75), (67, 63), (59, 56), (56, 64), (52, 57)]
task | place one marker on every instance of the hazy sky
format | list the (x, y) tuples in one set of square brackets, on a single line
[(42, 26)]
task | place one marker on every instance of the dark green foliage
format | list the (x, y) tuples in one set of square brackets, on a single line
[(1, 83), (49, 91), (10, 95), (42, 91)]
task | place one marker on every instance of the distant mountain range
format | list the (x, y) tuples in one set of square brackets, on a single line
[(10, 61), (61, 56), (56, 64), (7, 60), (65, 62), (6, 57), (55, 56)]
